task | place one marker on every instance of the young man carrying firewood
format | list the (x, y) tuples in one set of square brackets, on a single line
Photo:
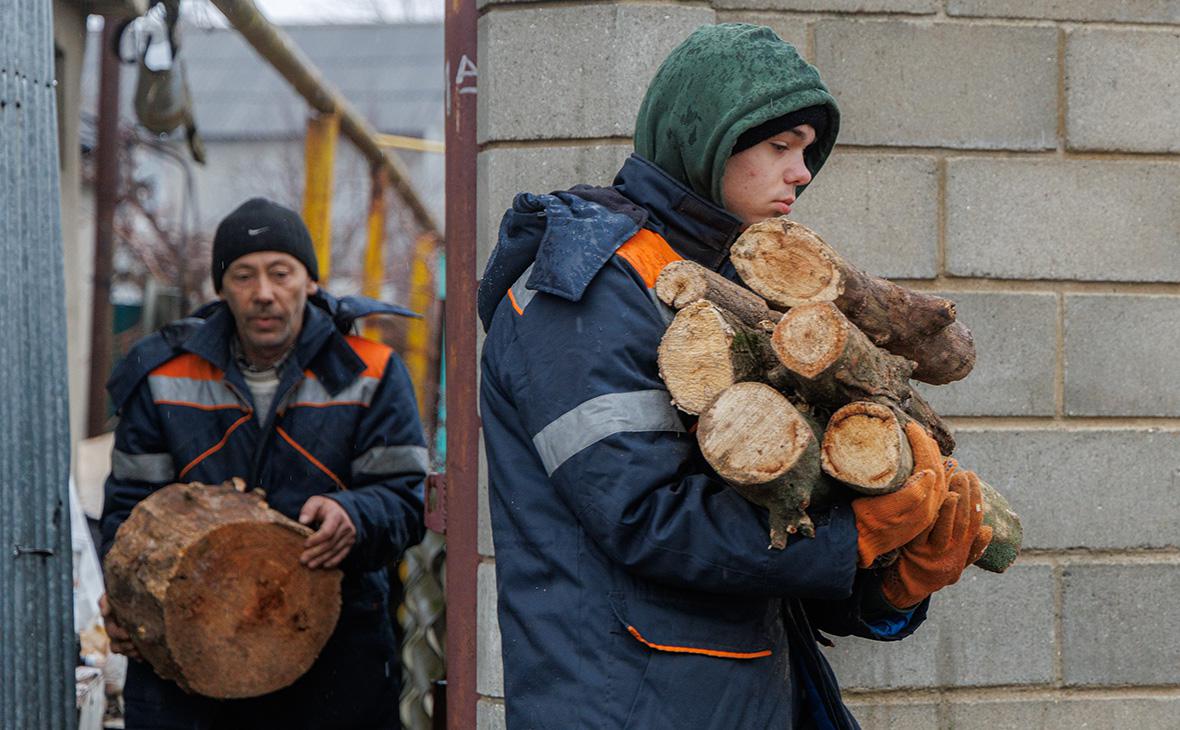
[(267, 385), (636, 589)]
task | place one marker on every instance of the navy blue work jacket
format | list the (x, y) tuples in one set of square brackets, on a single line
[(635, 588), (343, 423)]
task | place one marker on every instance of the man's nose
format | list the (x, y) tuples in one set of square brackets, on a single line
[(797, 173), (264, 292)]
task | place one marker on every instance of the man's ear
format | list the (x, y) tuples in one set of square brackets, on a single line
[(312, 287)]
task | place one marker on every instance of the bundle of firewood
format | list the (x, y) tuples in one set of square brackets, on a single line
[(803, 385), (207, 581)]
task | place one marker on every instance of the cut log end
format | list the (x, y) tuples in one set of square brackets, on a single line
[(751, 434), (679, 285), (786, 263), (865, 447), (695, 357), (810, 338), (239, 600), (207, 579)]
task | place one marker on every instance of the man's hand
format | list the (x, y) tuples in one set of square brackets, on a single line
[(937, 557), (887, 522), (330, 544), (120, 639)]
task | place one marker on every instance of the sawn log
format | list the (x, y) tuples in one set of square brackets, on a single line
[(789, 265), (207, 581)]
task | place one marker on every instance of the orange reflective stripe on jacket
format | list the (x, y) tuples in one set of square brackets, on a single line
[(648, 253)]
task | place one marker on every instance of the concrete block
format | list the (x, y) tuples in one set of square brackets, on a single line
[(1119, 624), (790, 28), (1015, 357), (489, 715), (1122, 90), (1090, 220), (941, 84), (987, 629), (1142, 713), (503, 172), (1119, 355), (1094, 488), (485, 544), (489, 671), (1124, 11), (922, 716), (573, 72), (879, 211), (835, 6)]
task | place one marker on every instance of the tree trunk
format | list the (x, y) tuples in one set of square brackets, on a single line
[(1007, 532), (705, 350), (834, 363), (768, 451), (683, 282), (789, 265), (207, 580)]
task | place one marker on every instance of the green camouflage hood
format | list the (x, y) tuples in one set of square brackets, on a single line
[(721, 81)]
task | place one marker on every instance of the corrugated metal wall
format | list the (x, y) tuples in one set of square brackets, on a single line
[(36, 626)]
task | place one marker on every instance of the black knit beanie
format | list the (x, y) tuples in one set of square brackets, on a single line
[(816, 116), (261, 225)]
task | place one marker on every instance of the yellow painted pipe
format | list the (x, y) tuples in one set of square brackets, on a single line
[(374, 271), (417, 144), (320, 155), (417, 355)]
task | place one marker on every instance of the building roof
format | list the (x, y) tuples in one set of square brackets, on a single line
[(392, 75)]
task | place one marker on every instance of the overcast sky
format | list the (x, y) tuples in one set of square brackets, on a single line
[(296, 12), (286, 12)]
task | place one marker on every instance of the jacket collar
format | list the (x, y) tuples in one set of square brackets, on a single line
[(320, 348), (695, 227)]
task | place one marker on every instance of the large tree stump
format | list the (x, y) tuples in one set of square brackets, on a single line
[(834, 363), (705, 350), (767, 450), (207, 581), (683, 282), (789, 265)]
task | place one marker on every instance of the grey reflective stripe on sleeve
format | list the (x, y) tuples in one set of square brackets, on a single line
[(192, 392), (519, 293), (312, 393), (382, 460), (606, 415), (142, 467)]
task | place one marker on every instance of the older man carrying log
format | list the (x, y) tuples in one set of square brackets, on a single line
[(636, 589), (266, 385)]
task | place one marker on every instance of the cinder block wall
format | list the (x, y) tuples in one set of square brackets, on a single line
[(1022, 157)]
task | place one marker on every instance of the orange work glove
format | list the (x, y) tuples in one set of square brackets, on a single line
[(888, 521), (937, 557)]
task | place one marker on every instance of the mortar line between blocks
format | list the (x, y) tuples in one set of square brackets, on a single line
[(1059, 362)]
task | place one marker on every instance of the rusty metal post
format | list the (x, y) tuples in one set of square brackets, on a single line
[(462, 420), (374, 271), (106, 195), (319, 158)]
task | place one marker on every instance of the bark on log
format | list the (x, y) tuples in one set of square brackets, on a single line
[(1007, 532), (705, 350), (683, 282), (207, 581), (834, 363), (768, 451), (789, 265)]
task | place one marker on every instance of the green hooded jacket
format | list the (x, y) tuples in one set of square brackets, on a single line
[(721, 81)]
